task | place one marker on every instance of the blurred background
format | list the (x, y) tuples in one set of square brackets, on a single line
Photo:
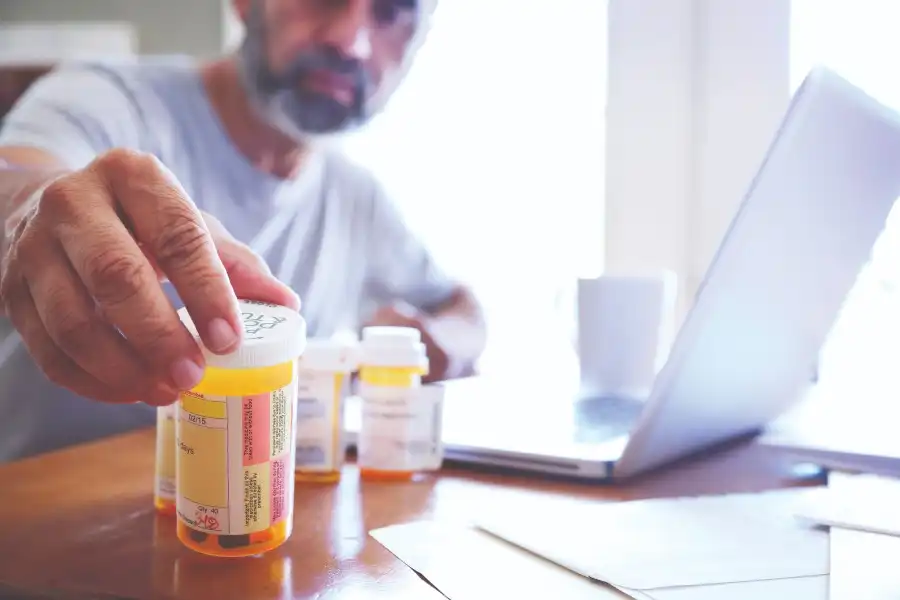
[(535, 142)]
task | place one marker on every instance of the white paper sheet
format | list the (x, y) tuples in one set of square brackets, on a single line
[(864, 566), (803, 588), (862, 502), (466, 564), (666, 543)]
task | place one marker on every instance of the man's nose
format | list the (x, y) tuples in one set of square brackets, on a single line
[(350, 29)]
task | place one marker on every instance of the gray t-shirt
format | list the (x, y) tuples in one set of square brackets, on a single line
[(330, 233)]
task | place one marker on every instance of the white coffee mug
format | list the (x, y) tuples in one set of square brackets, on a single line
[(625, 329)]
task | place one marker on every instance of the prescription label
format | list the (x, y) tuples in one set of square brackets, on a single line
[(232, 454), (319, 409), (165, 452), (401, 428)]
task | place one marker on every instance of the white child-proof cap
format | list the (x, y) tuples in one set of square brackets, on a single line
[(393, 347), (340, 356), (273, 335)]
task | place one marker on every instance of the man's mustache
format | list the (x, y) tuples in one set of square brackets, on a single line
[(320, 59)]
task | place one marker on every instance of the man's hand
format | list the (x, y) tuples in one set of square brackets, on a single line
[(401, 314), (81, 274)]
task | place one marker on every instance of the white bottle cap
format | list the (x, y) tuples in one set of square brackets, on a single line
[(393, 347), (330, 355), (272, 335)]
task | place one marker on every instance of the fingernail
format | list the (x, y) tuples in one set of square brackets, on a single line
[(186, 373), (222, 335), (297, 303)]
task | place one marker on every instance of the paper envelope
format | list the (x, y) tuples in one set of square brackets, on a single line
[(464, 563), (732, 546), (677, 542)]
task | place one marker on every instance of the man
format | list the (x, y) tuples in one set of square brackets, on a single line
[(118, 178)]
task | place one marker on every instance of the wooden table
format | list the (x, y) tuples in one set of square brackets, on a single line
[(79, 524)]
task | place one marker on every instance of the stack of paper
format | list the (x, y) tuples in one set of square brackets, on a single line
[(466, 564), (861, 512), (862, 502), (738, 547), (864, 566), (739, 544)]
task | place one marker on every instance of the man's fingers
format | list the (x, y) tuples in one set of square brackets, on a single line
[(395, 316), (55, 364), (250, 276), (171, 229), (109, 262), (75, 326)]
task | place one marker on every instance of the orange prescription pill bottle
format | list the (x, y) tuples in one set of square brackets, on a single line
[(235, 439), (401, 422), (323, 382), (164, 485)]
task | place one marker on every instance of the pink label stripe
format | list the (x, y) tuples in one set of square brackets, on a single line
[(255, 429), (281, 478)]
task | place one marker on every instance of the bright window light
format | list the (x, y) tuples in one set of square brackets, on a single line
[(494, 149), (858, 38)]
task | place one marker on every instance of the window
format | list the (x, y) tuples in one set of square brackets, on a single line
[(858, 39), (494, 149)]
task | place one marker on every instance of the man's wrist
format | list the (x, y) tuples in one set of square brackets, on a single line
[(21, 187), (22, 202)]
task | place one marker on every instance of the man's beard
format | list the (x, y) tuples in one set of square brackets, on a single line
[(282, 99)]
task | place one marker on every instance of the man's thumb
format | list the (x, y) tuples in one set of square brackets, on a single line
[(251, 278)]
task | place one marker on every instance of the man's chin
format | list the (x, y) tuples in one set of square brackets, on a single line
[(315, 121)]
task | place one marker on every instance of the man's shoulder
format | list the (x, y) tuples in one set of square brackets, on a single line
[(82, 108), (133, 76)]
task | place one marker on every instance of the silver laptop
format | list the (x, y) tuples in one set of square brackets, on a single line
[(749, 344)]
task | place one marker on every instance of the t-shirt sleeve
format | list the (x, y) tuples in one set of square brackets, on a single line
[(75, 113), (400, 266)]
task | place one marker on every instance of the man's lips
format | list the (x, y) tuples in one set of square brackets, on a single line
[(340, 87)]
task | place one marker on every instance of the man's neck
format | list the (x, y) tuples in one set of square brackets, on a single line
[(266, 148)]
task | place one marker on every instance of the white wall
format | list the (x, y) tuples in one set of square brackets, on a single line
[(45, 42), (232, 27), (195, 27), (696, 89)]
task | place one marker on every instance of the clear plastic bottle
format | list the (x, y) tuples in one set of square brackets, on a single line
[(323, 381), (235, 439), (164, 487), (400, 428)]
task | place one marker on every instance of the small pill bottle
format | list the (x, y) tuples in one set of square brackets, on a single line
[(235, 438), (323, 381), (164, 485), (401, 422)]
